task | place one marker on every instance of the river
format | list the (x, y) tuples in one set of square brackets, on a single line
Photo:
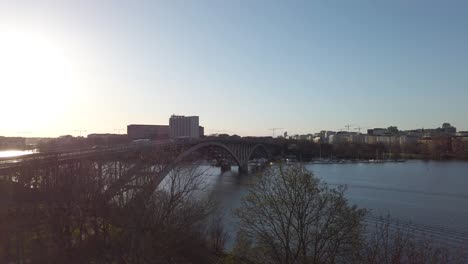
[(432, 195), (15, 153)]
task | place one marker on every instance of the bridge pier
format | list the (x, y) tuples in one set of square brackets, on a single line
[(244, 168), (225, 167)]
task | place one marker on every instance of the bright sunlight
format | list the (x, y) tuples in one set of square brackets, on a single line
[(37, 78)]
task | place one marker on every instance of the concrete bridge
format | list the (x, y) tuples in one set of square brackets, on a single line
[(135, 164), (239, 151)]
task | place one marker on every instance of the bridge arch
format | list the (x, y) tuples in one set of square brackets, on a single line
[(186, 153), (257, 146), (189, 151)]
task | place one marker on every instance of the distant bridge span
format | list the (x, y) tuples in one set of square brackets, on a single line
[(147, 163), (241, 153), (240, 150)]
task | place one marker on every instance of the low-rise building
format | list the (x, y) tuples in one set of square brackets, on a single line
[(201, 131), (460, 146), (152, 132)]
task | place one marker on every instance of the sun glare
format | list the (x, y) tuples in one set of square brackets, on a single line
[(37, 76)]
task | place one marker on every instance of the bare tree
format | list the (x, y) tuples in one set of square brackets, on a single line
[(101, 211), (289, 216), (392, 241), (216, 234), (169, 225)]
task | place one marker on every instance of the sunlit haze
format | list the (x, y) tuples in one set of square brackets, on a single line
[(242, 66)]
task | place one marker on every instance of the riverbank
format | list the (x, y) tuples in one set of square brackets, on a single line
[(352, 161)]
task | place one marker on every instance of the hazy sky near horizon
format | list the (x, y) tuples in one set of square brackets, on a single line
[(242, 66)]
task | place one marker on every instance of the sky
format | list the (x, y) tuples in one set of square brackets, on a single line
[(71, 67)]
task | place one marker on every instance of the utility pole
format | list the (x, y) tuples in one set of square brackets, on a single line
[(80, 131), (348, 126), (274, 129), (118, 130)]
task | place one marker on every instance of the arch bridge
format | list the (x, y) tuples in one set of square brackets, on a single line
[(235, 152), (136, 164)]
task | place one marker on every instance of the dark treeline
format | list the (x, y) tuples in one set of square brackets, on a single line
[(302, 150), (306, 150), (74, 214), (69, 142), (94, 212)]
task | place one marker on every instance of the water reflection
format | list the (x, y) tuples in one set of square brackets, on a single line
[(426, 193), (15, 153)]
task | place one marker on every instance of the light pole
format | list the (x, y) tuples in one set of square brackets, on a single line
[(80, 131)]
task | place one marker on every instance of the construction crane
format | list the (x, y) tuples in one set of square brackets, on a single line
[(348, 126), (274, 129), (359, 128)]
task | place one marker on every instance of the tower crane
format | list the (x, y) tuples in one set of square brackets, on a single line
[(358, 128), (348, 126), (274, 129)]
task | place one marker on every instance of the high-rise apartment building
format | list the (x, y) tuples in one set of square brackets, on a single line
[(184, 127)]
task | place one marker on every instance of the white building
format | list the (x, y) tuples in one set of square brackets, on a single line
[(184, 127)]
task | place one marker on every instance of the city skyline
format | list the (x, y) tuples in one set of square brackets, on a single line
[(243, 67)]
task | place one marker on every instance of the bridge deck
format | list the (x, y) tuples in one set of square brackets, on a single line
[(81, 153)]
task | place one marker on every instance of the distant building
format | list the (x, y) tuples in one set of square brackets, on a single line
[(107, 138), (308, 137), (153, 132), (370, 139), (201, 131), (445, 130), (184, 126), (417, 133), (408, 139), (449, 129), (377, 131), (317, 140), (328, 136), (342, 137), (460, 145)]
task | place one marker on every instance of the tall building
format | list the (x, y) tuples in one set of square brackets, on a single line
[(184, 127), (154, 132)]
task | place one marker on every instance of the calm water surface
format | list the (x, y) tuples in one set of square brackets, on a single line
[(426, 193)]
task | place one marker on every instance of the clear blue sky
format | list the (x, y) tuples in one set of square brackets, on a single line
[(242, 66)]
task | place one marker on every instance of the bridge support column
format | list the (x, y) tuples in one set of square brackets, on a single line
[(225, 167), (244, 168)]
